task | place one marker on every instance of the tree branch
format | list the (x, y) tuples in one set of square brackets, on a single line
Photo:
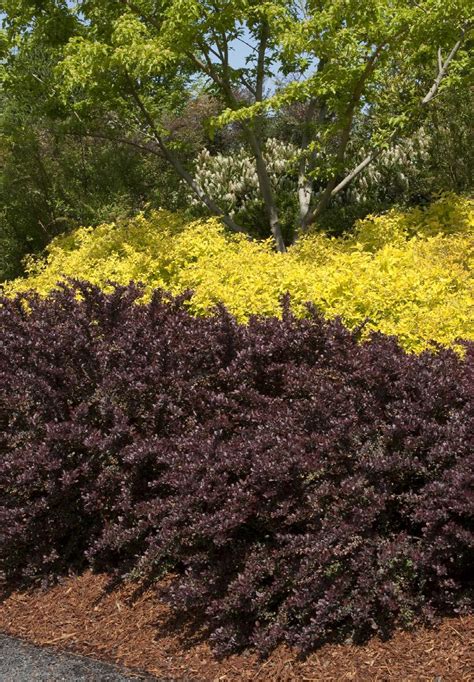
[(120, 140), (247, 85), (266, 190), (443, 69), (262, 48), (375, 153), (348, 117), (355, 172), (178, 166)]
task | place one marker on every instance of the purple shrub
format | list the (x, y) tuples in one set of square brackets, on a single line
[(299, 485)]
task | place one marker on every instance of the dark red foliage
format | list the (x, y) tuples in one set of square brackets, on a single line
[(301, 486)]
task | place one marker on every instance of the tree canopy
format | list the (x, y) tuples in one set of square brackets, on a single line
[(362, 76)]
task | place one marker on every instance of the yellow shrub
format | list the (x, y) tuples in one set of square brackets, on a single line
[(449, 215), (409, 273)]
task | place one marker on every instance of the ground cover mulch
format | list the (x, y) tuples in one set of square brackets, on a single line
[(82, 614)]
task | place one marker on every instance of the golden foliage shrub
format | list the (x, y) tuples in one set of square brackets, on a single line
[(409, 273)]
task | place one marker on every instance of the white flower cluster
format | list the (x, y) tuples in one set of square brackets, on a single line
[(231, 180), (395, 166)]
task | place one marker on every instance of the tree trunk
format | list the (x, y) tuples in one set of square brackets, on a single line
[(266, 191)]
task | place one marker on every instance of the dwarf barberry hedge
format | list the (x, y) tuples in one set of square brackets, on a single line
[(297, 485)]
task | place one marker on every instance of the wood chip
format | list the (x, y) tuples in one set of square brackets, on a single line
[(83, 616)]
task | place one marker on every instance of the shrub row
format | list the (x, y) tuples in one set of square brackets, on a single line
[(409, 273), (298, 485)]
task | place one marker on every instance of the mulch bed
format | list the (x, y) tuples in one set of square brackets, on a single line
[(81, 615)]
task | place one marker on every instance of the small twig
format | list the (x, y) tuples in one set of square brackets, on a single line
[(457, 632)]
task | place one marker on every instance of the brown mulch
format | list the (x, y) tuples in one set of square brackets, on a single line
[(82, 616)]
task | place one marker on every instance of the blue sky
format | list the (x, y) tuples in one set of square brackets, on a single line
[(240, 51)]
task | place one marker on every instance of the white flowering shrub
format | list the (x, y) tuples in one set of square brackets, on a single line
[(231, 180)]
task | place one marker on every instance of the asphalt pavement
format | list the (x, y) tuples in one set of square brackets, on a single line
[(24, 662)]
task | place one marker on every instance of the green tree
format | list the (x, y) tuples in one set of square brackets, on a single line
[(374, 66), (53, 176)]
